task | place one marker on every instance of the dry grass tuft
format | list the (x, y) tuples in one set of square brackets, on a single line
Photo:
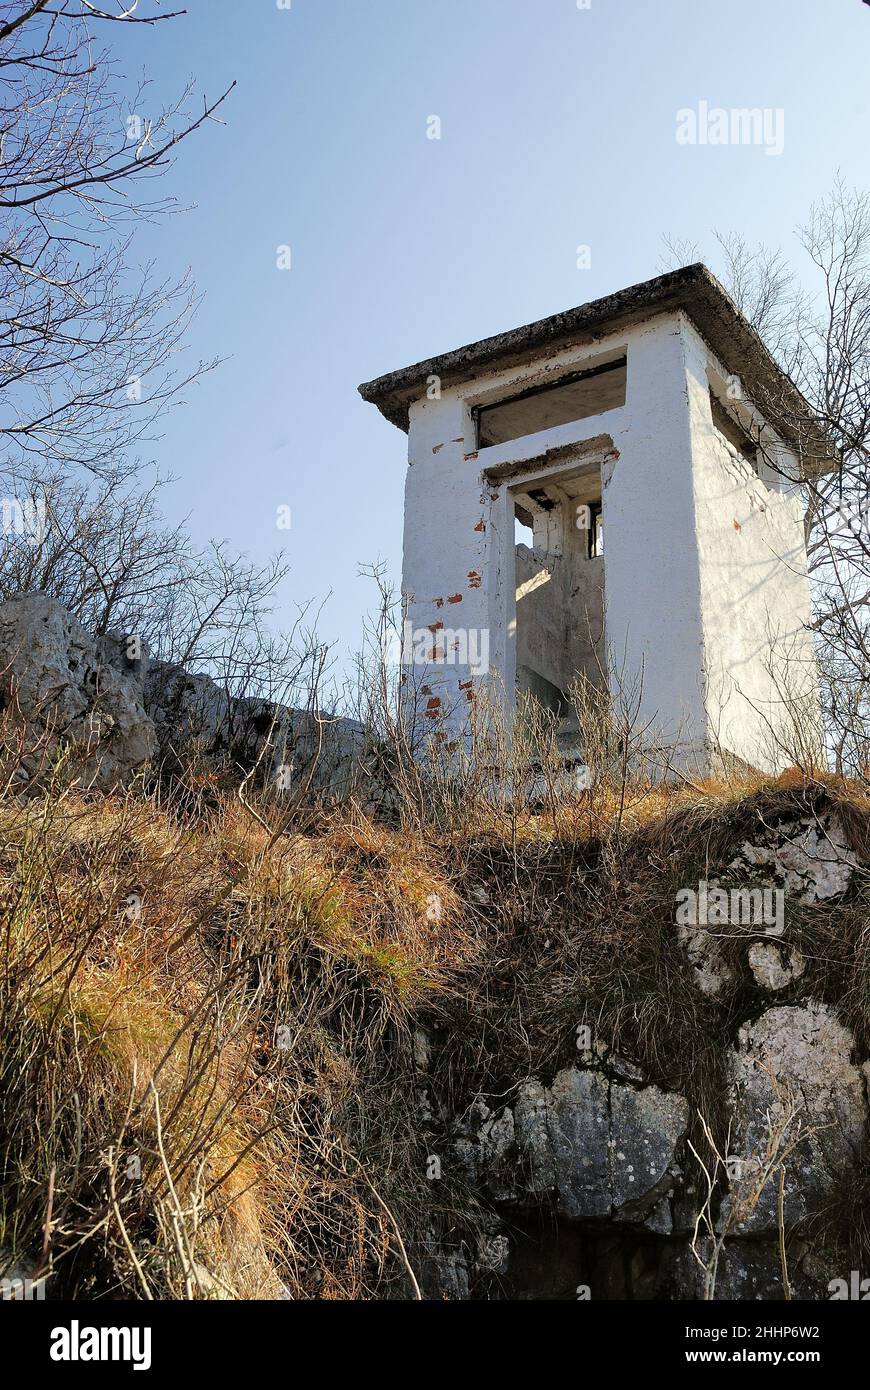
[(208, 1085)]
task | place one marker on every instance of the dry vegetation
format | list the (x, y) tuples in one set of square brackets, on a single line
[(207, 1008), (208, 1084)]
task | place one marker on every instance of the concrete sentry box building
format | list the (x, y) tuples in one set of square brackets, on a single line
[(652, 451)]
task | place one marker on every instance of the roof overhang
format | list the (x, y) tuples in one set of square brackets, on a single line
[(692, 289)]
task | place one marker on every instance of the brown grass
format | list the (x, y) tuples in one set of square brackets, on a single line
[(248, 1038)]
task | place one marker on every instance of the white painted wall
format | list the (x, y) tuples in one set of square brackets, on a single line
[(651, 580), (684, 589), (755, 596), (445, 553)]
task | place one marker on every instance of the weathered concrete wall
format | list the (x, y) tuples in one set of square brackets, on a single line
[(460, 565), (560, 613), (652, 584), (695, 606), (755, 596), (445, 550)]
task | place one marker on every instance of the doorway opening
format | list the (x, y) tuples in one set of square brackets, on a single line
[(559, 590)]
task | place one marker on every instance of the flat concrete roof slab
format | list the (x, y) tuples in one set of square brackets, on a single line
[(693, 288)]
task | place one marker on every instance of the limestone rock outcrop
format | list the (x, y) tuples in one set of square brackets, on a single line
[(794, 1094), (109, 709), (589, 1176), (70, 693), (804, 861)]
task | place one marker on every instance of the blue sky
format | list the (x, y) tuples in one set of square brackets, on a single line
[(557, 130)]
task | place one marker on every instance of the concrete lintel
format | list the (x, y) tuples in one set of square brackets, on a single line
[(692, 289), (585, 454)]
